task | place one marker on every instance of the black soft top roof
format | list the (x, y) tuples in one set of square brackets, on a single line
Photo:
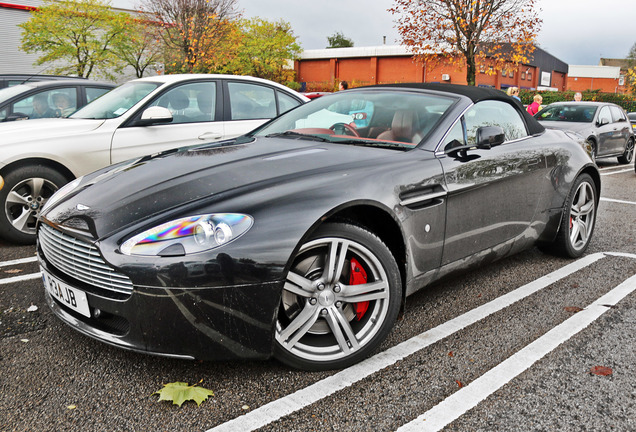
[(475, 94)]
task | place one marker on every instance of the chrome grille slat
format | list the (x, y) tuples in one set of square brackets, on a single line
[(81, 260)]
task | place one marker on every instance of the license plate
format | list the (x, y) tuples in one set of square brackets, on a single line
[(65, 294)]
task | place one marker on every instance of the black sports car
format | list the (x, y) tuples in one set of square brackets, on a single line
[(303, 239)]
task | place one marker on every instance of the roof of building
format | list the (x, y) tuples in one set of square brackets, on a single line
[(586, 71)]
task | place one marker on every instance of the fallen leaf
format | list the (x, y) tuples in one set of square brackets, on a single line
[(32, 308), (572, 309), (24, 340), (13, 271), (179, 392), (459, 384), (245, 407), (451, 354), (71, 407), (601, 370)]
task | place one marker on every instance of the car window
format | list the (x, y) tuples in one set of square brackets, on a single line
[(93, 93), (60, 102), (455, 137), (396, 120), (494, 113), (617, 114), (190, 103), (251, 101), (118, 101), (604, 116), (286, 102), (568, 113)]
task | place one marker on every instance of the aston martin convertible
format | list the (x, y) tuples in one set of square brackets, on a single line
[(303, 239)]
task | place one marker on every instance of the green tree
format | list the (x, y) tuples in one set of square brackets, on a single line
[(339, 40), (264, 50), (141, 48), (75, 37), (196, 34), (469, 32)]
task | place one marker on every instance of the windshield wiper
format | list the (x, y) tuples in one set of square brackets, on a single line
[(371, 143), (295, 135)]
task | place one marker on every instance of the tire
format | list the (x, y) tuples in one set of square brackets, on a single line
[(333, 319), (629, 153), (579, 218), (25, 192)]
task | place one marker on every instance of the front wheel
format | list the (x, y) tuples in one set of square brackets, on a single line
[(340, 300), (25, 192), (579, 218), (629, 153)]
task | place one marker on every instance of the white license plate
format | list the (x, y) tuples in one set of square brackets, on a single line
[(65, 294)]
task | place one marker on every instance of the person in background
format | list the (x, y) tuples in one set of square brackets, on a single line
[(578, 96), (343, 85), (41, 108), (534, 107), (513, 92), (63, 105)]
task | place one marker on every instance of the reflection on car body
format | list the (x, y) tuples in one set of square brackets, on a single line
[(302, 239)]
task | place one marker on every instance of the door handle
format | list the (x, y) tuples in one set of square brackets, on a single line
[(210, 136)]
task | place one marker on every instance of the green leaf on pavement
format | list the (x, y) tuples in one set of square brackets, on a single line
[(179, 392)]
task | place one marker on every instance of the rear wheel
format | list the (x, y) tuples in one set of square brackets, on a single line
[(25, 192), (629, 152), (579, 218), (340, 300)]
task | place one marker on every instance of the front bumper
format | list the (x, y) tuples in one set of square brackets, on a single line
[(210, 323)]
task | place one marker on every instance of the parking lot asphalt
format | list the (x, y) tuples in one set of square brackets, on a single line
[(512, 346)]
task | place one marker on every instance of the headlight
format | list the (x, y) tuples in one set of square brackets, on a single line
[(61, 193), (188, 235)]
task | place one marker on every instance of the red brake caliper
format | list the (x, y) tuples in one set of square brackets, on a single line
[(358, 276)]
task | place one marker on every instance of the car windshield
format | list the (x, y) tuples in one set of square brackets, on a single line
[(116, 102), (9, 92), (568, 113), (382, 118)]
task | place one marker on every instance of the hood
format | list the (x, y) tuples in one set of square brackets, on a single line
[(119, 196), (28, 130), (573, 126)]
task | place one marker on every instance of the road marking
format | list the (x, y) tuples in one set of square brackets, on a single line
[(18, 261), (6, 281), (470, 396), (279, 408), (618, 172), (618, 201)]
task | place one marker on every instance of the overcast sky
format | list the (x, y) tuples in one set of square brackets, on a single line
[(578, 32)]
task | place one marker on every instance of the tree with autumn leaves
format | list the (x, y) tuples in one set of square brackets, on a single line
[(188, 36), (469, 33)]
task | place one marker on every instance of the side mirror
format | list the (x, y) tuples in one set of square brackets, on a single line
[(602, 122), (154, 115), (490, 136)]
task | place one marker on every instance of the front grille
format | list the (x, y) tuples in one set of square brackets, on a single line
[(81, 261)]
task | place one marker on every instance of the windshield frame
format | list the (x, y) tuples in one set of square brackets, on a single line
[(115, 103), (385, 102)]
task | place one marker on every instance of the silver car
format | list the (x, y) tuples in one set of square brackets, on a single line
[(605, 125)]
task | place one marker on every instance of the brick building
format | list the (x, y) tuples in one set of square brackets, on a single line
[(322, 69), (607, 79)]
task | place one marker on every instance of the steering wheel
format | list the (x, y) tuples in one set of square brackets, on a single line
[(345, 127)]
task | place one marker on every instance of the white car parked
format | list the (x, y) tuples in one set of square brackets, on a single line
[(141, 117)]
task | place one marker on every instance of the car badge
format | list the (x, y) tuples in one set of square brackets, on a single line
[(82, 207)]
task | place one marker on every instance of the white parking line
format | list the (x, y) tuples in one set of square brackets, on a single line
[(618, 201), (6, 281), (18, 261), (279, 408), (618, 172), (470, 396)]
